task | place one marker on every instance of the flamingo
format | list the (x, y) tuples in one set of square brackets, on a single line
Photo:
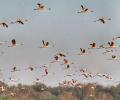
[(85, 75), (14, 69), (115, 38), (19, 21), (83, 52), (41, 7), (114, 57), (111, 44), (45, 44), (14, 44), (61, 54), (107, 77), (84, 9), (93, 45), (103, 19), (30, 68), (46, 72), (56, 59), (107, 51), (4, 24), (83, 70), (58, 56), (67, 63)]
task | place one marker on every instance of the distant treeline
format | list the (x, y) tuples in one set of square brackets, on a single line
[(40, 91)]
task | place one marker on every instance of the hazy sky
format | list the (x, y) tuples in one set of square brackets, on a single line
[(66, 29)]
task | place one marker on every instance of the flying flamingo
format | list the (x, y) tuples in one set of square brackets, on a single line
[(84, 9)]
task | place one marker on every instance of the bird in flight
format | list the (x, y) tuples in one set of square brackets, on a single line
[(61, 54), (108, 51), (93, 46), (56, 59), (41, 7), (58, 56), (46, 71), (103, 19), (107, 76), (46, 44), (13, 41), (114, 57), (83, 70), (14, 69), (83, 52), (85, 73), (4, 24), (111, 44), (31, 68), (84, 9), (115, 38), (20, 21), (14, 44), (67, 63)]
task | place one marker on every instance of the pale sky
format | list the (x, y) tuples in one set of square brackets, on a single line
[(67, 30)]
